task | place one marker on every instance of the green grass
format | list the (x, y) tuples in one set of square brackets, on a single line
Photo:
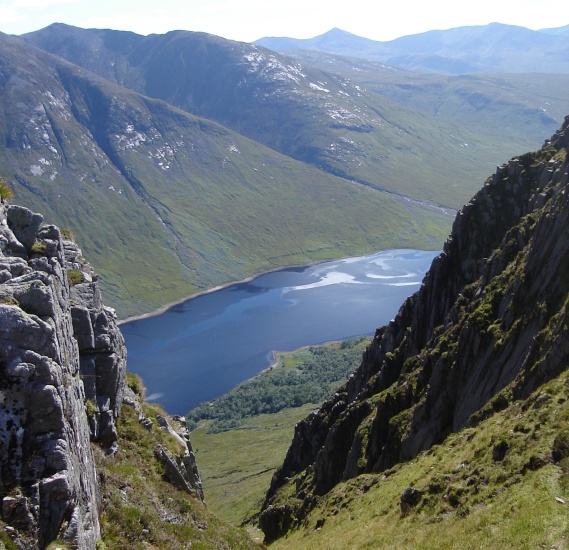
[(75, 277), (236, 466), (6, 192), (472, 495)]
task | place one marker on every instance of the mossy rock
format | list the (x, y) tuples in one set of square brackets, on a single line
[(9, 301)]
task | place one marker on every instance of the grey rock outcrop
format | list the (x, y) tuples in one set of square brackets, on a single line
[(102, 351), (182, 470), (59, 348)]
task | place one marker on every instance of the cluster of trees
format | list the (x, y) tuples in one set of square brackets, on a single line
[(312, 379)]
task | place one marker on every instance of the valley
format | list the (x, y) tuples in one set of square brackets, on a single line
[(213, 206), (182, 162), (273, 186)]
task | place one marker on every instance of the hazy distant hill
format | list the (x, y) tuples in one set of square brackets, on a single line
[(489, 48), (314, 115), (166, 203), (562, 31)]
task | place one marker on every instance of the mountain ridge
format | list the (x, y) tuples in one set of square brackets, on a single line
[(310, 114), (469, 342), (495, 47)]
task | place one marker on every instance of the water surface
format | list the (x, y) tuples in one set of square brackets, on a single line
[(199, 349)]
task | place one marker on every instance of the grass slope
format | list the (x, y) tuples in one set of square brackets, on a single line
[(235, 482), (503, 484)]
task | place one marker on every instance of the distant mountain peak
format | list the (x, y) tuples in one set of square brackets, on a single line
[(337, 32), (492, 48)]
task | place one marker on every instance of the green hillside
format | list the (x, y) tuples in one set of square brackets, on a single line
[(472, 496), (358, 120), (167, 204)]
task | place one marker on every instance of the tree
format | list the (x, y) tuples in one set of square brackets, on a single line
[(5, 190)]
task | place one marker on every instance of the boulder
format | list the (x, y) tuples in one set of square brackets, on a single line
[(24, 224)]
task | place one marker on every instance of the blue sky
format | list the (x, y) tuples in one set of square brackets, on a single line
[(248, 20)]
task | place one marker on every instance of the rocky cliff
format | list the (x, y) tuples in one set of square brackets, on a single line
[(63, 384), (63, 364), (488, 326)]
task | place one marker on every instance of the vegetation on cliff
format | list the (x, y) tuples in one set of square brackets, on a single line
[(501, 484), (140, 508)]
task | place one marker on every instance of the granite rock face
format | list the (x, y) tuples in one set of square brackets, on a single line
[(488, 325), (60, 348)]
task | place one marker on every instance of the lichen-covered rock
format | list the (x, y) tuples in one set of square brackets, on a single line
[(56, 342)]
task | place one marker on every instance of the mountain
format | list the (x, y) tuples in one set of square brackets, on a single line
[(461, 399), (77, 441), (313, 115), (487, 332), (167, 204), (464, 50), (489, 102)]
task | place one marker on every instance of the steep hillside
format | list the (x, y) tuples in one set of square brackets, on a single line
[(329, 121), (495, 485), (463, 50), (167, 204), (487, 329)]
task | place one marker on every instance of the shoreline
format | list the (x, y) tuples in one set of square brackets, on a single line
[(166, 307)]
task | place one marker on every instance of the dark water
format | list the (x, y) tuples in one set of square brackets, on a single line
[(200, 349)]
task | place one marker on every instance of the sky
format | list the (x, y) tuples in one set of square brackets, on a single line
[(249, 20)]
